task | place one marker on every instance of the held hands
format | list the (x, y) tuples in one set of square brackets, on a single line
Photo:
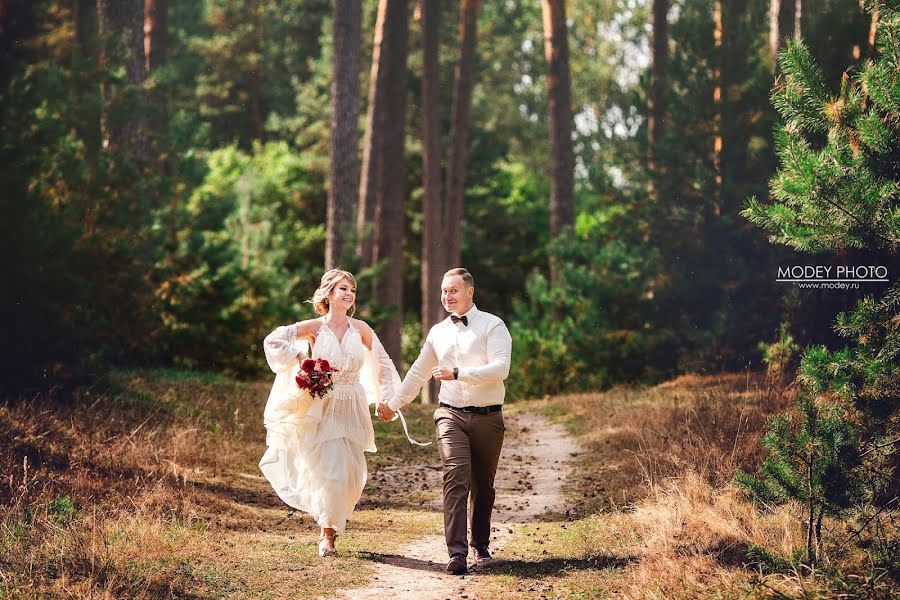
[(384, 412), (442, 373)]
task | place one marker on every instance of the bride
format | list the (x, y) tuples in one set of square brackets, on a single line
[(315, 459)]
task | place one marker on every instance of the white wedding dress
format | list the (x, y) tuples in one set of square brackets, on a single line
[(315, 461)]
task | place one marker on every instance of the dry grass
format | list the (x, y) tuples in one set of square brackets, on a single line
[(635, 438), (688, 541), (656, 515), (147, 486)]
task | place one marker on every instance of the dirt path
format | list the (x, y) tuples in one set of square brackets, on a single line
[(533, 466)]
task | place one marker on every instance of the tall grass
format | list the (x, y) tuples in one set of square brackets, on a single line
[(146, 485), (99, 488), (636, 438), (653, 485)]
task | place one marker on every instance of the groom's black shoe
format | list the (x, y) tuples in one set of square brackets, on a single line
[(457, 565), (482, 557)]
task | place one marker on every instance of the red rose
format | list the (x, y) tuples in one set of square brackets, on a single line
[(308, 365), (323, 364)]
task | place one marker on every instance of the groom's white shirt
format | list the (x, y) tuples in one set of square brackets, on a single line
[(481, 350)]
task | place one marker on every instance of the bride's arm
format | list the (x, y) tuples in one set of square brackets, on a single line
[(283, 346)]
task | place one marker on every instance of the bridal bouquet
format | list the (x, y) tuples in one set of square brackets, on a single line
[(314, 376)]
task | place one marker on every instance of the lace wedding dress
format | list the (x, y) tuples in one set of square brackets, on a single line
[(315, 461)]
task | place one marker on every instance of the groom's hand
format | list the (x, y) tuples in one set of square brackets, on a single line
[(384, 412), (442, 373)]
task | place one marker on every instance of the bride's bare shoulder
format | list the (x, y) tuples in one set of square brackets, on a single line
[(308, 328), (365, 332)]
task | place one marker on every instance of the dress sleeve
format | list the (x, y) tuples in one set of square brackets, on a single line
[(379, 376), (282, 347)]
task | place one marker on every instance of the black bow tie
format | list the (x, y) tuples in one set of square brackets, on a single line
[(464, 319)]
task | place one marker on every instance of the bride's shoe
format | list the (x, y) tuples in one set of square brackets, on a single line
[(324, 549)]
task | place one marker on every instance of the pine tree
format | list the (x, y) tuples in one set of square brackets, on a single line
[(838, 187), (810, 455)]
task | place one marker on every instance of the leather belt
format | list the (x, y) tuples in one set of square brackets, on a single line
[(478, 410)]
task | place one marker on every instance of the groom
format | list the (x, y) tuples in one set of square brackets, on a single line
[(469, 353)]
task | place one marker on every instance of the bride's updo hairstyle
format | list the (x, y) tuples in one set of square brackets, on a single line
[(329, 280)]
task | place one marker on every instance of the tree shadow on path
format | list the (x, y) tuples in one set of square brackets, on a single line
[(516, 567)]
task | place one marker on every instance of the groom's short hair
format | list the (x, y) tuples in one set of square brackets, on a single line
[(466, 276)]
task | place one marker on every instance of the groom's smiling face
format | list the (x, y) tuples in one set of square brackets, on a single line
[(456, 296)]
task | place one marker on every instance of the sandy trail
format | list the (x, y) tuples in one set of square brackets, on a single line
[(533, 466)]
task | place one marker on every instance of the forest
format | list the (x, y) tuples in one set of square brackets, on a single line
[(167, 180), (642, 189)]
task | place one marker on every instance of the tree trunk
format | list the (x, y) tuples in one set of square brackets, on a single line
[(812, 417), (86, 57), (373, 144), (559, 99), (344, 159), (873, 28), (121, 29), (459, 132), (656, 120), (431, 178), (155, 35), (257, 120), (384, 173), (155, 42), (717, 105), (84, 18), (784, 22)]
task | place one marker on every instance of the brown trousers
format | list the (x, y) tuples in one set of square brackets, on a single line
[(469, 445)]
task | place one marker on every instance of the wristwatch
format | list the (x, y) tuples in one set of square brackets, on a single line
[(455, 372)]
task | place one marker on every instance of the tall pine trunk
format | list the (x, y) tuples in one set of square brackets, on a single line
[(717, 58), (86, 57), (559, 100), (464, 82), (344, 159), (373, 144), (121, 28), (257, 119), (784, 22), (155, 36), (656, 117), (384, 172), (156, 41), (84, 19), (155, 44), (431, 177)]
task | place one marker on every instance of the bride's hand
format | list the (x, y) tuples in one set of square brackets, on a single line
[(384, 412)]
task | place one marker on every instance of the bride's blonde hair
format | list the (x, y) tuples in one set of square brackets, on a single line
[(329, 280)]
